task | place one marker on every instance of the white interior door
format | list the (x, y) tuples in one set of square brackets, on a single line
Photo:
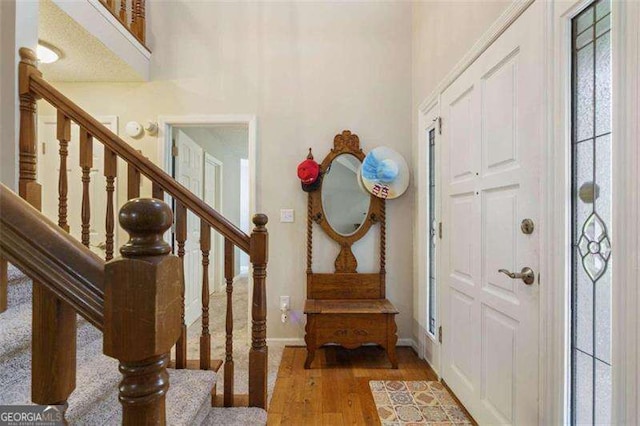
[(213, 197), (189, 172), (48, 172), (492, 138)]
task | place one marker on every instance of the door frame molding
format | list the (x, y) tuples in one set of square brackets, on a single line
[(428, 346), (165, 122), (554, 312), (626, 226)]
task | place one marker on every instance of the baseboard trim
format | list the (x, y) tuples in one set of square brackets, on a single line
[(408, 342), (299, 341)]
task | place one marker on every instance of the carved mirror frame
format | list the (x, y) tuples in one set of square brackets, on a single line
[(346, 262)]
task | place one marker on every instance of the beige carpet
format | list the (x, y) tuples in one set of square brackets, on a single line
[(416, 403), (241, 333)]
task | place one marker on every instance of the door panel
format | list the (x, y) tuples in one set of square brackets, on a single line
[(213, 197), (492, 121), (461, 137), (189, 172)]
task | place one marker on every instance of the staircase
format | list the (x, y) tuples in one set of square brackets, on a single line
[(95, 400), (78, 319)]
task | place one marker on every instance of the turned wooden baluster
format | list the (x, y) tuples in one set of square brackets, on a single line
[(64, 136), (53, 338), (229, 264), (138, 19), (109, 4), (142, 311), (205, 337), (133, 182), (123, 12), (110, 173), (181, 238), (258, 353), (86, 163)]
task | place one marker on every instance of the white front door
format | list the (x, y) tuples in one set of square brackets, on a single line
[(189, 172), (48, 176), (491, 142)]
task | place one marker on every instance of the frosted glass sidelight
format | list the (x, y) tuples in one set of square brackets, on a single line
[(591, 216), (603, 84), (584, 107)]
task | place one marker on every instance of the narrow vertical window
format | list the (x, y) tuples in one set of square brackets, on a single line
[(432, 232), (591, 208)]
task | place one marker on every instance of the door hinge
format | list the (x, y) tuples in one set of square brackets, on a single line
[(44, 148), (440, 334), (438, 120), (440, 230), (174, 149)]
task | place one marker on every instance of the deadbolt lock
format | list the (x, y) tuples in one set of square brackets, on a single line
[(527, 226)]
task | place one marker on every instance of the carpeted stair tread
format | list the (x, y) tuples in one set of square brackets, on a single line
[(18, 292), (14, 274), (95, 399), (188, 401), (15, 367), (236, 416), (15, 330)]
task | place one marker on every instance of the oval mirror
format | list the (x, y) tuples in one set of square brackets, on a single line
[(344, 203)]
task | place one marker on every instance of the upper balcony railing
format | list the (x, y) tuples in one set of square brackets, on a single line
[(131, 13)]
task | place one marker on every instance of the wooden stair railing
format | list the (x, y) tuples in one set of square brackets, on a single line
[(31, 240), (33, 86), (134, 300), (131, 14)]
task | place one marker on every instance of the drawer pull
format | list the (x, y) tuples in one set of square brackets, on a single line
[(340, 333), (361, 332)]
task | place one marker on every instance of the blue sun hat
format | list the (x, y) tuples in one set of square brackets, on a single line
[(385, 173)]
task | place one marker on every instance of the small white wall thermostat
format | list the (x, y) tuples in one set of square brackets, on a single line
[(133, 129), (286, 215), (151, 127)]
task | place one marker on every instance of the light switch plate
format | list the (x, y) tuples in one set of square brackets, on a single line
[(286, 215)]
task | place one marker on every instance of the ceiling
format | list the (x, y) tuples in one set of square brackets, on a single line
[(85, 58), (234, 138)]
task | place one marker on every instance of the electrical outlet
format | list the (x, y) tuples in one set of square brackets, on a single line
[(286, 215), (284, 303)]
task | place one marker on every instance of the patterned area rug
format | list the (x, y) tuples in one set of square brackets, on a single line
[(416, 403)]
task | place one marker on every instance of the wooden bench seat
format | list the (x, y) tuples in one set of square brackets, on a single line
[(349, 306), (350, 323)]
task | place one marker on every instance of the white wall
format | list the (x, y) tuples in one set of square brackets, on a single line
[(18, 28), (442, 32), (307, 71)]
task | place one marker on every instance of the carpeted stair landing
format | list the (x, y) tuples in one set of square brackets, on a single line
[(95, 399)]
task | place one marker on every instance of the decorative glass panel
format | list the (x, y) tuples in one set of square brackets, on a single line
[(591, 201), (432, 232)]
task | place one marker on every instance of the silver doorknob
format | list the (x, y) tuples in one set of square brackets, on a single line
[(526, 275)]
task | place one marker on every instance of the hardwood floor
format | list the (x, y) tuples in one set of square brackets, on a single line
[(338, 393)]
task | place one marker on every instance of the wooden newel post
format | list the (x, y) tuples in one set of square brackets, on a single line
[(142, 307), (258, 253), (53, 361)]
